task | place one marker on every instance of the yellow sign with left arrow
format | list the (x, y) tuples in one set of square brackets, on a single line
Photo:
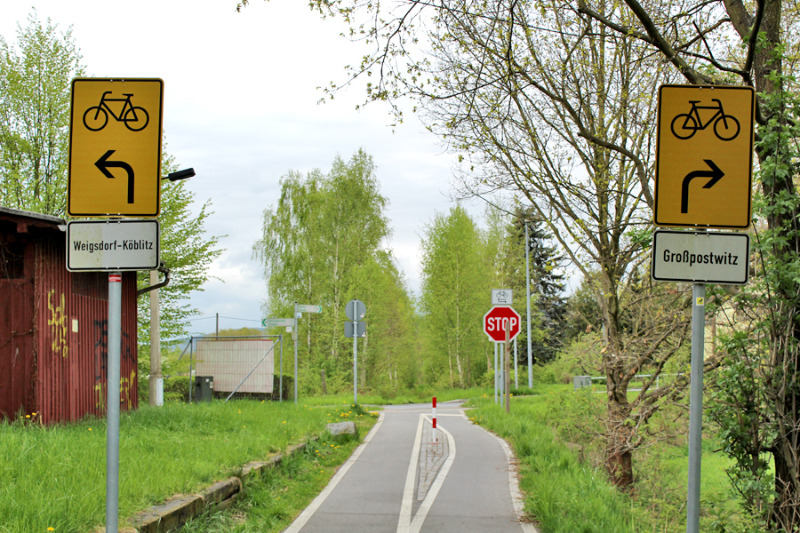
[(115, 147)]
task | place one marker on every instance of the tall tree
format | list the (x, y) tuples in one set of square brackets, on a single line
[(35, 77), (388, 355), (318, 246), (454, 296)]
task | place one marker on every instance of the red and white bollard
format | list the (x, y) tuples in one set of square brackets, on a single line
[(433, 418)]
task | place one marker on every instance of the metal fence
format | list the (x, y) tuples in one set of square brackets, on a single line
[(581, 382), (244, 366)]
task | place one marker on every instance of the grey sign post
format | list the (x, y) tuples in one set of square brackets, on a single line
[(355, 311), (112, 414)]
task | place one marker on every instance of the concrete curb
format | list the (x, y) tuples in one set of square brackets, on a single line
[(175, 512)]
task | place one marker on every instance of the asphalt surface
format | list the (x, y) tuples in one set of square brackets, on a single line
[(406, 479)]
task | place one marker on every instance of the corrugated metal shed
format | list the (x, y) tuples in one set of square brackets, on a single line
[(53, 326)]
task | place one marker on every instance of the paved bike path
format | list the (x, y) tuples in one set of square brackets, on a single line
[(401, 481)]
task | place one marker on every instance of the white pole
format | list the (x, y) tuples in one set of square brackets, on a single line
[(528, 294), (496, 373), (156, 382), (294, 336)]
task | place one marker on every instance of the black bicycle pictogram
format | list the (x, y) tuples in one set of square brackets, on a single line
[(134, 117), (685, 125)]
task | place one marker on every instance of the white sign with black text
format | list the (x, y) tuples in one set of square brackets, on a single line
[(701, 257), (110, 245)]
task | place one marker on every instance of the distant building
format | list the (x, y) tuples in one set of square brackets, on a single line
[(54, 326)]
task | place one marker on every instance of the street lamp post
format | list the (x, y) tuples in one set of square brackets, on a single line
[(156, 381), (528, 298)]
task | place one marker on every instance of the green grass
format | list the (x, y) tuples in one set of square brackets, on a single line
[(55, 477), (567, 490), (271, 503)]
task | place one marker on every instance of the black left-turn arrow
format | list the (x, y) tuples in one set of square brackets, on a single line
[(714, 173), (104, 164)]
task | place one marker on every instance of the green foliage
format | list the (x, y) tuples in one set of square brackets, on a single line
[(582, 357), (754, 393), (35, 78), (187, 251), (454, 292), (174, 370), (554, 436), (322, 244), (548, 306)]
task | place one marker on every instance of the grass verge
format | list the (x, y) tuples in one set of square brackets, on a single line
[(53, 479), (566, 488)]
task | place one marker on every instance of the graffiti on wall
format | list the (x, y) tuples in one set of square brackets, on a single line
[(57, 320), (127, 384)]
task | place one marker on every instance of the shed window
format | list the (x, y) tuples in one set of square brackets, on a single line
[(12, 260)]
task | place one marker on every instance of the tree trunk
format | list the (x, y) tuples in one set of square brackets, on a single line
[(619, 453), (786, 450), (620, 432)]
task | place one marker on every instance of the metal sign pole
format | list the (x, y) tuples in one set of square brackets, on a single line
[(528, 298), (696, 407), (507, 367), (280, 379), (294, 336), (496, 374), (112, 409), (355, 358)]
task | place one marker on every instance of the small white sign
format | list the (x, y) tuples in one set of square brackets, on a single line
[(502, 297), (701, 257), (104, 246), (277, 322)]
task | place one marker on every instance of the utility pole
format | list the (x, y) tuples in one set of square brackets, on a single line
[(528, 298), (156, 381)]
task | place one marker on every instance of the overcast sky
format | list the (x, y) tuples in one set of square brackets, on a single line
[(240, 107)]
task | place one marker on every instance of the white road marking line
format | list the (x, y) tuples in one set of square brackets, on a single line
[(433, 491), (304, 517), (404, 522)]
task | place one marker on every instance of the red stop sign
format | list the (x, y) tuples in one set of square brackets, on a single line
[(496, 320)]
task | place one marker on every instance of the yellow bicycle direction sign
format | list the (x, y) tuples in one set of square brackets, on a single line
[(704, 156), (115, 147)]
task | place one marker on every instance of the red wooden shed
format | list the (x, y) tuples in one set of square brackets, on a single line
[(54, 326)]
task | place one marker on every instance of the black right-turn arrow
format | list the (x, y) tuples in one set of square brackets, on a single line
[(714, 173)]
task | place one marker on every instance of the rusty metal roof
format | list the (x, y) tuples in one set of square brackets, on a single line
[(8, 213)]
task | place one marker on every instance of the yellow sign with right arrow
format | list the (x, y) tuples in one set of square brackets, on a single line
[(704, 156)]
